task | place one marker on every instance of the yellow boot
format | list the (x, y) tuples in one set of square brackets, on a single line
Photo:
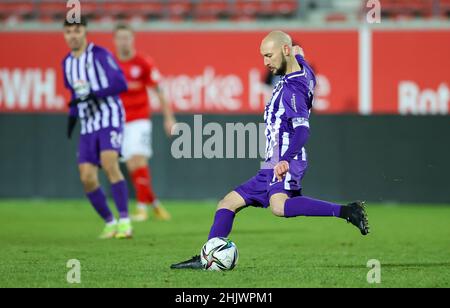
[(160, 212), (140, 214)]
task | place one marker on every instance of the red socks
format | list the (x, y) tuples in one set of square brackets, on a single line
[(142, 183)]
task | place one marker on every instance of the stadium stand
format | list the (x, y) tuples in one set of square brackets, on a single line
[(213, 10), (173, 10)]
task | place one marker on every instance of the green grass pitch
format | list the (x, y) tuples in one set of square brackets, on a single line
[(37, 238)]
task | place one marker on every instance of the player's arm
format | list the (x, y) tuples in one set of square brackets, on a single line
[(298, 141), (116, 80), (298, 51), (153, 80), (110, 75), (298, 114), (299, 55), (73, 116), (169, 118), (73, 110)]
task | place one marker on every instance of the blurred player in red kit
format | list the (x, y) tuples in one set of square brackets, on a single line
[(140, 73)]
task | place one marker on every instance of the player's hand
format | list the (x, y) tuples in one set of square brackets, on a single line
[(74, 102), (297, 50), (169, 124), (82, 89), (71, 122), (90, 96), (281, 169)]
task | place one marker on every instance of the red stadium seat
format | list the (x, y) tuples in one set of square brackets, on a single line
[(121, 9), (267, 8), (248, 9), (52, 10), (407, 8), (212, 10), (178, 10), (444, 8), (284, 8), (17, 9)]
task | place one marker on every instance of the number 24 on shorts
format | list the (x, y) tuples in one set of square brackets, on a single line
[(116, 139)]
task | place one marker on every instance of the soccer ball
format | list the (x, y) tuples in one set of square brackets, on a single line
[(219, 254)]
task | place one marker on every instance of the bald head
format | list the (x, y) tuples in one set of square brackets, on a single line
[(276, 49), (278, 38)]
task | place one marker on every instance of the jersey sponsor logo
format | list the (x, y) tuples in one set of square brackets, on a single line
[(135, 71), (293, 104)]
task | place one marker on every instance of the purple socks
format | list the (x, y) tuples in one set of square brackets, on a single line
[(98, 201), (304, 206), (119, 192), (223, 222), (298, 206)]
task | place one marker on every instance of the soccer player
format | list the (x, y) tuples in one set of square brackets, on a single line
[(95, 81), (278, 184), (140, 73)]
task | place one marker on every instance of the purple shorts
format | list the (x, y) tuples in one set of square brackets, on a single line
[(258, 190), (91, 145)]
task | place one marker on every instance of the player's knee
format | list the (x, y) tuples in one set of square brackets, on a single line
[(112, 171), (89, 180), (136, 162), (227, 204), (277, 209), (132, 164), (224, 204)]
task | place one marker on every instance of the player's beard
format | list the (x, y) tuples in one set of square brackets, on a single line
[(282, 69), (76, 46), (125, 52)]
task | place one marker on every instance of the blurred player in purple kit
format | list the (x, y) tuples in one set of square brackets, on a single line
[(95, 81), (278, 184)]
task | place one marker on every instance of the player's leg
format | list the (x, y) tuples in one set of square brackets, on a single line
[(137, 150), (253, 192), (110, 164), (283, 206), (140, 173), (88, 162), (223, 222), (95, 194), (286, 200), (224, 217)]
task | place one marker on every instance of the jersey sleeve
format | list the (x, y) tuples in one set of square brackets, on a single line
[(152, 74), (301, 60), (66, 82), (116, 79), (295, 100), (64, 73), (305, 63), (298, 141), (73, 110)]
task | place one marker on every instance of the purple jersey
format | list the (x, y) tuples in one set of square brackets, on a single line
[(97, 71), (288, 109), (285, 114)]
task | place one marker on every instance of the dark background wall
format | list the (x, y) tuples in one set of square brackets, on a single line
[(377, 158)]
